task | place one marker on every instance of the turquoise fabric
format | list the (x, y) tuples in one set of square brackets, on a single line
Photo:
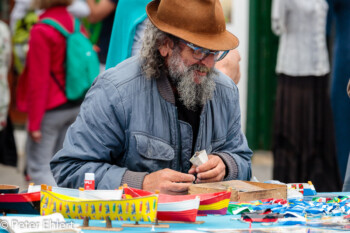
[(128, 15)]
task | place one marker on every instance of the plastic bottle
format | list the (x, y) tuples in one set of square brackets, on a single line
[(89, 182)]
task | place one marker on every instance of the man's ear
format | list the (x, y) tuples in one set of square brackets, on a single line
[(166, 48)]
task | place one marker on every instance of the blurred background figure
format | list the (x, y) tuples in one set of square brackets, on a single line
[(20, 9), (8, 152), (230, 65), (340, 19), (127, 33), (127, 36), (78, 8), (346, 186), (304, 144), (103, 11), (22, 19), (39, 91)]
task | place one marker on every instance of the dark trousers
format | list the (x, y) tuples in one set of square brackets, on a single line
[(8, 151)]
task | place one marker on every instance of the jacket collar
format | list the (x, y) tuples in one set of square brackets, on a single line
[(164, 88), (166, 91)]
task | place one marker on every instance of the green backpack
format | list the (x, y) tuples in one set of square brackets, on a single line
[(20, 39), (82, 65)]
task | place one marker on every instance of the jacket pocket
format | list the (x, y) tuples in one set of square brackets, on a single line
[(153, 148)]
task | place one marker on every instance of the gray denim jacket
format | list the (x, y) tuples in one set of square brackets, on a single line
[(128, 127)]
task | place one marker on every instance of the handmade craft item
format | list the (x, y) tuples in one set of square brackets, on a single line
[(254, 217), (81, 192), (20, 203), (291, 218), (101, 194), (199, 158), (142, 209), (170, 207), (209, 203), (213, 203), (307, 189)]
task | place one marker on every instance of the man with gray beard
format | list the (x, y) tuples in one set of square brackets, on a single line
[(192, 94), (142, 120)]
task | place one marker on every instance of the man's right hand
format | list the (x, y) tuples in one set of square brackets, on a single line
[(168, 181)]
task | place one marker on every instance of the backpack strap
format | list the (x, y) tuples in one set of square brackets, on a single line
[(76, 25), (61, 87), (56, 25)]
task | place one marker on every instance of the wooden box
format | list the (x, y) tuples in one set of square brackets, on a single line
[(242, 191)]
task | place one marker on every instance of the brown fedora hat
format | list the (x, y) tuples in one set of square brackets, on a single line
[(200, 22)]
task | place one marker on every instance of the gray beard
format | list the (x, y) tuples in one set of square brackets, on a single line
[(191, 94)]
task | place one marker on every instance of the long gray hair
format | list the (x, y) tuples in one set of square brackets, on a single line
[(152, 63)]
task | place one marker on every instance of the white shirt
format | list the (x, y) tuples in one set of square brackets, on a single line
[(301, 25), (5, 61)]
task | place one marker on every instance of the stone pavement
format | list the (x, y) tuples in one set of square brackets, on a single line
[(262, 163)]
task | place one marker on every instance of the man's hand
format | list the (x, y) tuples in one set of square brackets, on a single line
[(213, 170), (168, 181), (35, 135)]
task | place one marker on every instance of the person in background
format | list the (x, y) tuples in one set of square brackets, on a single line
[(127, 32), (20, 9), (157, 108), (22, 19), (78, 8), (5, 62), (304, 143), (39, 91), (346, 185), (340, 12), (230, 65), (8, 152), (103, 11), (127, 35)]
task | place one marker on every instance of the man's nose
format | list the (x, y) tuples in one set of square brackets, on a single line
[(208, 61)]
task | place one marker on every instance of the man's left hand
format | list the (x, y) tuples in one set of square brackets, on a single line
[(213, 170)]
